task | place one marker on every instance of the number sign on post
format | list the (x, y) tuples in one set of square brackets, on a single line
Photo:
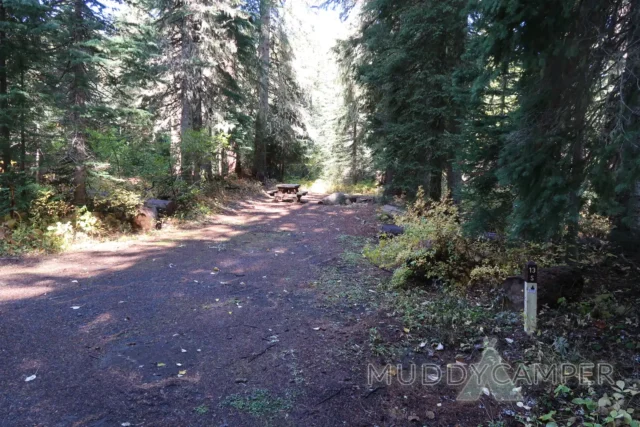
[(530, 297)]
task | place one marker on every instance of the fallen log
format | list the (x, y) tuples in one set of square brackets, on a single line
[(162, 207), (334, 199), (150, 214)]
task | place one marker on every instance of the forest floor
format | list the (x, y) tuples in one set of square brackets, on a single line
[(260, 317)]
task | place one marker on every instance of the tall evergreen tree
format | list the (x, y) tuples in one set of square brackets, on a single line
[(616, 172), (22, 53), (196, 77), (410, 51), (544, 158), (83, 67), (262, 119), (349, 147)]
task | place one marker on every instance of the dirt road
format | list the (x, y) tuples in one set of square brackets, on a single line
[(223, 325)]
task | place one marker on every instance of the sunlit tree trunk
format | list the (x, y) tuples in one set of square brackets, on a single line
[(454, 180), (37, 162), (176, 151), (354, 149)]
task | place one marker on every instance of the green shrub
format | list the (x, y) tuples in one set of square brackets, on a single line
[(431, 247), (17, 191), (434, 247), (48, 207), (26, 238), (86, 222)]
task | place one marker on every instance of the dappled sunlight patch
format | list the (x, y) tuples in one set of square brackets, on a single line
[(102, 319), (289, 227), (15, 293), (278, 250)]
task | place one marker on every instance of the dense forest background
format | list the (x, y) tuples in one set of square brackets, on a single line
[(525, 113)]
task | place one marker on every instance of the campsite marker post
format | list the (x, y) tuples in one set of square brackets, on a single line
[(530, 297)]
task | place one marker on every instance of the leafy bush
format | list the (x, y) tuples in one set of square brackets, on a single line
[(112, 197), (50, 226), (86, 222), (48, 207), (593, 408), (28, 238), (435, 247)]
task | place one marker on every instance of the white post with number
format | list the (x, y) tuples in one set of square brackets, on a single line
[(531, 298)]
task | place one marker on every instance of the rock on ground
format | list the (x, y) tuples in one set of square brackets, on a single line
[(391, 229), (334, 199)]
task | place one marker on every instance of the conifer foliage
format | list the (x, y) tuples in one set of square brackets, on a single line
[(176, 92), (524, 111)]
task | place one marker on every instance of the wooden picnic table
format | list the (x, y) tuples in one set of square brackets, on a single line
[(284, 190), (287, 188)]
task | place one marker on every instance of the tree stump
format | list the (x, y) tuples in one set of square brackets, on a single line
[(146, 219)]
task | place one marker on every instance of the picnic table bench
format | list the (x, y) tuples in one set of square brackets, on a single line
[(285, 190)]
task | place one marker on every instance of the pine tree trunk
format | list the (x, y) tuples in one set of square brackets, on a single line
[(238, 168), (435, 184), (37, 162), (23, 146), (260, 151), (5, 133), (186, 122), (78, 98), (23, 139), (454, 180)]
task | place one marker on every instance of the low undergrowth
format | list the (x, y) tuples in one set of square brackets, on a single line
[(43, 220)]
